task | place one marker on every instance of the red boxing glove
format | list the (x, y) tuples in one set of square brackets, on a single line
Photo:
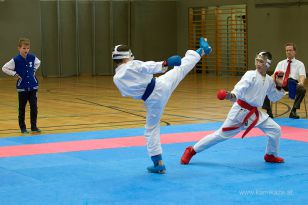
[(278, 74), (222, 94)]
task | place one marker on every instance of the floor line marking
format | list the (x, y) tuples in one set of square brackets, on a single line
[(290, 133)]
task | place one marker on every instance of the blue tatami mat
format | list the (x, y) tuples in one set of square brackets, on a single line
[(232, 172)]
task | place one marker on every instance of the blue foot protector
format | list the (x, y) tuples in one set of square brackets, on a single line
[(158, 166), (205, 46), (199, 50), (159, 169)]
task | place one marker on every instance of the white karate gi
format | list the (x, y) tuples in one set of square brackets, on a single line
[(252, 88), (132, 79)]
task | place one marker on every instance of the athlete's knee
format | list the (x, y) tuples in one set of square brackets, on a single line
[(151, 129), (223, 135), (276, 132)]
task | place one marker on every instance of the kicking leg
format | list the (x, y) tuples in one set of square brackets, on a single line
[(173, 77), (191, 58)]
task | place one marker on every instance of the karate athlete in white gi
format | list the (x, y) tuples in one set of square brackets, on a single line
[(135, 79), (248, 94)]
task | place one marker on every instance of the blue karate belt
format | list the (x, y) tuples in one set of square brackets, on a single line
[(149, 89)]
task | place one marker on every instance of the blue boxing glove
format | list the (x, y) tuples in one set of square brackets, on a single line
[(172, 61)]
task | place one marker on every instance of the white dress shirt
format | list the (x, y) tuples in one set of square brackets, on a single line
[(297, 68)]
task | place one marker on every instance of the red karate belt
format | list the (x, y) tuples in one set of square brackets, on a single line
[(252, 110)]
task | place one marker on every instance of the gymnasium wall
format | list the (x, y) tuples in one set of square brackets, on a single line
[(270, 26), (76, 37), (18, 18)]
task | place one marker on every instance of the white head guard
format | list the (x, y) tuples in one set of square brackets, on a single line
[(266, 57), (121, 54)]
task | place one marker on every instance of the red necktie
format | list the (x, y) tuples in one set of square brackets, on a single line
[(286, 76)]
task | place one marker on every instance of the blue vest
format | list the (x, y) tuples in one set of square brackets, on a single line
[(25, 69)]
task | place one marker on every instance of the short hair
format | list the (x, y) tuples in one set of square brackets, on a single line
[(23, 41), (123, 48), (266, 56), (291, 44)]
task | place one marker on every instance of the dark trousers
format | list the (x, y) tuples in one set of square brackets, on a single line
[(300, 94), (23, 98)]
